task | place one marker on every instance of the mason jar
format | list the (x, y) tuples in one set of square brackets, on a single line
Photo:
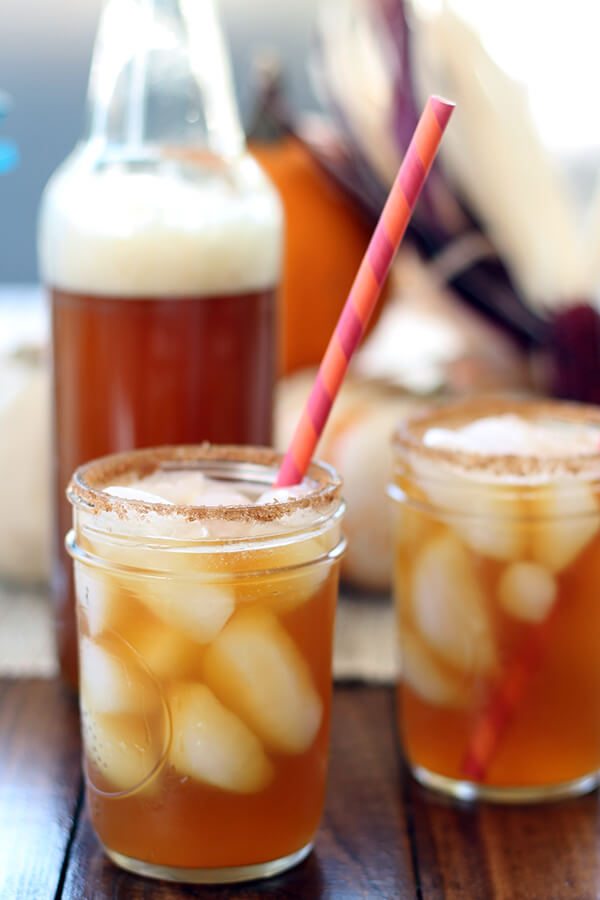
[(497, 584), (205, 639)]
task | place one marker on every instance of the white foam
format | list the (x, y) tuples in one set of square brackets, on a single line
[(512, 435), (144, 234)]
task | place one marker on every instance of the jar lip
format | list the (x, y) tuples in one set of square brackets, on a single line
[(408, 437), (86, 487)]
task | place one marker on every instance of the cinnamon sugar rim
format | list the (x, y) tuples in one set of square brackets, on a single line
[(260, 465), (408, 437)]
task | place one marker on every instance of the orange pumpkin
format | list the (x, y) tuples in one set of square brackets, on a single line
[(326, 237)]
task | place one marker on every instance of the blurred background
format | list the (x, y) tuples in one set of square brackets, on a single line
[(496, 286)]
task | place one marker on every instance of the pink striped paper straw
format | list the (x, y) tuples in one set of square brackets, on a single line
[(366, 288)]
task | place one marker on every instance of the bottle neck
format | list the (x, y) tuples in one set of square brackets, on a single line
[(161, 76)]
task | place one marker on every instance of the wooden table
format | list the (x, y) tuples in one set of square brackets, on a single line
[(382, 835)]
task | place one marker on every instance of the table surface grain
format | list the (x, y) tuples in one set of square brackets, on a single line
[(382, 835)]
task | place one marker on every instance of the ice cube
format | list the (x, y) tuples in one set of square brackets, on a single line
[(486, 517), (196, 608), (126, 492), (212, 745), (504, 434), (285, 592), (124, 751), (426, 676), (489, 528), (139, 554), (219, 496), (296, 576), (119, 553), (569, 516), (168, 654), (110, 680), (96, 595), (177, 486), (527, 591), (448, 605), (192, 488), (256, 670), (512, 435)]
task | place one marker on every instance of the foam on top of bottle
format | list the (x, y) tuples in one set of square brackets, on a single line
[(154, 233), (512, 435)]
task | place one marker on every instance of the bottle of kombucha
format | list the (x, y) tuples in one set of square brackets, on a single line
[(160, 246)]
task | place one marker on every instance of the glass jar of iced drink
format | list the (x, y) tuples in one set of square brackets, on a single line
[(160, 244), (206, 605), (497, 573)]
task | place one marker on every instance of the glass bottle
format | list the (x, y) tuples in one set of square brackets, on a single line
[(160, 245)]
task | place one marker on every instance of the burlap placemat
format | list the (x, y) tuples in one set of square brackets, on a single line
[(26, 640), (364, 640)]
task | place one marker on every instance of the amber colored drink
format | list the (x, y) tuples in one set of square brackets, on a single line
[(498, 598), (136, 372), (205, 651)]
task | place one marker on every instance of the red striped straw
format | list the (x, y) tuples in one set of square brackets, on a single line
[(366, 288)]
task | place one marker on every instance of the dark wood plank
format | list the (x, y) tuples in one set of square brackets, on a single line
[(528, 853), (362, 850), (542, 852), (39, 786), (365, 840)]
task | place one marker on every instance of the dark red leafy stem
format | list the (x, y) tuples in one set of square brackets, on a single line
[(574, 347), (439, 217)]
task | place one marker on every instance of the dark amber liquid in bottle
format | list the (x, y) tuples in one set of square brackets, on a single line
[(138, 372)]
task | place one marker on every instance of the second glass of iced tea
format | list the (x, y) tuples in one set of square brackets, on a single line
[(206, 606), (497, 535)]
